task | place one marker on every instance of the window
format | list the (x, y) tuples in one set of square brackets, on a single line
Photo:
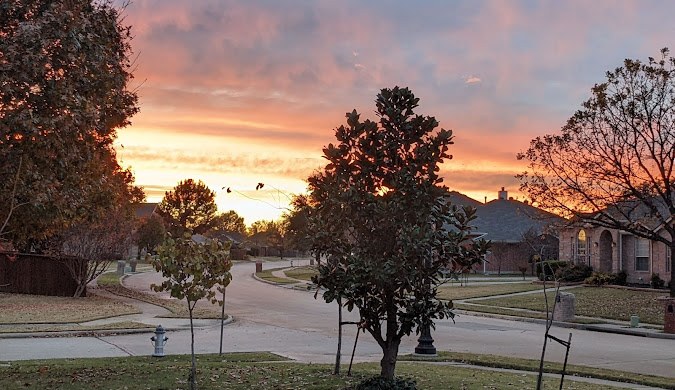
[(668, 258), (582, 247), (642, 254)]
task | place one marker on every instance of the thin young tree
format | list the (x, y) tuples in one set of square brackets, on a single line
[(379, 212), (612, 163), (191, 271)]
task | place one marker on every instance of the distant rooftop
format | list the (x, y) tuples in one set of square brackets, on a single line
[(142, 210), (505, 219)]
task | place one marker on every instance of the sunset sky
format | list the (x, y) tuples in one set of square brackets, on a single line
[(239, 92)]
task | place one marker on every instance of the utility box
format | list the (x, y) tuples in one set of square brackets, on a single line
[(669, 315), (564, 307), (120, 267), (258, 266)]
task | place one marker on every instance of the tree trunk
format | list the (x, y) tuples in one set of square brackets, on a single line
[(193, 369), (222, 323), (388, 362), (338, 355), (79, 291)]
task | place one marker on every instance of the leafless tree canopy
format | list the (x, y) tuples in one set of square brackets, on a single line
[(615, 155), (97, 244), (612, 163)]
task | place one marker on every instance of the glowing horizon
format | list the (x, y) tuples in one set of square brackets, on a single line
[(236, 93)]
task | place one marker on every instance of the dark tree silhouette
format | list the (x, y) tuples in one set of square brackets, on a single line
[(612, 163), (380, 218), (64, 71)]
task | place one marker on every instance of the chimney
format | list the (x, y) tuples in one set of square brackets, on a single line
[(503, 194)]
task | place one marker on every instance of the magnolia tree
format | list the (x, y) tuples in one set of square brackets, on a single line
[(380, 218), (612, 164), (191, 271)]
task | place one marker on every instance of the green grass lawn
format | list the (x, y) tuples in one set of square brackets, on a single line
[(301, 273), (455, 291), (611, 303), (550, 367), (517, 313), (267, 275), (108, 279), (243, 371)]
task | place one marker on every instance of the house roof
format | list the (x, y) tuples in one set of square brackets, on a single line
[(632, 213), (234, 237), (508, 220), (460, 199), (504, 220), (142, 210), (639, 212)]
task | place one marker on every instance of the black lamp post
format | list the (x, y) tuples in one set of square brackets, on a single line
[(425, 344)]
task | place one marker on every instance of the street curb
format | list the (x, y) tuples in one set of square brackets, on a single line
[(75, 333), (290, 286), (95, 333)]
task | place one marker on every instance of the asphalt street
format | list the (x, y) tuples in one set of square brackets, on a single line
[(295, 324)]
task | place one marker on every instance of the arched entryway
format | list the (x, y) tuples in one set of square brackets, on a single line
[(605, 251)]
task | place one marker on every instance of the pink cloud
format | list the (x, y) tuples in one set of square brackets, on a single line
[(280, 74)]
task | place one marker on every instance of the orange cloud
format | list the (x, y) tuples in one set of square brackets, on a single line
[(231, 91)]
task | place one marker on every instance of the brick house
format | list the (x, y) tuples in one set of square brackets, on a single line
[(613, 250), (517, 230)]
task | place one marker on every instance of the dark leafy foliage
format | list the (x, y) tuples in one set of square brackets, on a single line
[(573, 273), (549, 268), (189, 207), (379, 383), (380, 218), (64, 70), (656, 281), (601, 279)]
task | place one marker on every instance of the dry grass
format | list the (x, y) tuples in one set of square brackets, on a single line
[(39, 309), (455, 291), (23, 328), (177, 308)]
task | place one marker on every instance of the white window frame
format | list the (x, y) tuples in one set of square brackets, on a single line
[(582, 252), (647, 255)]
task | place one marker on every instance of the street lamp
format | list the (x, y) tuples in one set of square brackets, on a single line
[(425, 343)]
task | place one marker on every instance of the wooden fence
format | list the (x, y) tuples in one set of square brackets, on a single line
[(36, 274)]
